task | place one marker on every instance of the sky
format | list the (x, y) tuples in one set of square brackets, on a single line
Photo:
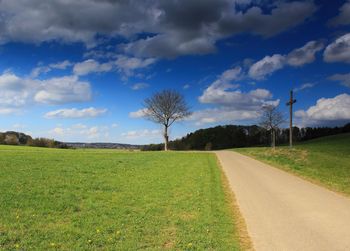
[(80, 70)]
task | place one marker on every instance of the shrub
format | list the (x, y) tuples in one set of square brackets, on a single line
[(11, 139)]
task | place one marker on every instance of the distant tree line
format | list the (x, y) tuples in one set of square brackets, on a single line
[(18, 138), (232, 136)]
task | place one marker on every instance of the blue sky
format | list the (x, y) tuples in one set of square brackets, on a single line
[(79, 70)]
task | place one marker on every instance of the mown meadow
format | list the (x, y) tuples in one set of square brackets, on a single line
[(111, 200), (324, 160)]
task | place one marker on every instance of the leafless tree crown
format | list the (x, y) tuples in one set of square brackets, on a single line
[(166, 107), (271, 118)]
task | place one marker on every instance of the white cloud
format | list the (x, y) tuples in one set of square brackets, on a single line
[(222, 94), (186, 86), (14, 91), (231, 74), (222, 114), (305, 54), (326, 110), (45, 69), (61, 65), (344, 16), (18, 126), (304, 86), (232, 104), (127, 65), (76, 113), (266, 66), (63, 90), (7, 111), (261, 94), (343, 79), (139, 86), (339, 50), (217, 91), (80, 132), (91, 66), (142, 134), (138, 114), (17, 92), (297, 57), (39, 70), (123, 64)]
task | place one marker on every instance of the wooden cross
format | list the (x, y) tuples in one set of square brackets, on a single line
[(290, 104)]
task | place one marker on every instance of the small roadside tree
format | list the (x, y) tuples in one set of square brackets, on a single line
[(166, 107), (271, 119)]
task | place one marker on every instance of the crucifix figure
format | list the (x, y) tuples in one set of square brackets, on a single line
[(290, 103)]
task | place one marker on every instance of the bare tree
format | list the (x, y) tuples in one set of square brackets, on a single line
[(271, 119), (166, 107)]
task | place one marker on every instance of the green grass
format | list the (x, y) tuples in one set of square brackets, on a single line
[(108, 200), (324, 160)]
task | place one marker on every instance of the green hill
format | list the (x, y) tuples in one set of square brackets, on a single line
[(323, 160)]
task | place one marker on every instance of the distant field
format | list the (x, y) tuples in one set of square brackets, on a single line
[(324, 160), (110, 200)]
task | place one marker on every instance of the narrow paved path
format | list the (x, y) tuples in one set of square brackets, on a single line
[(284, 212)]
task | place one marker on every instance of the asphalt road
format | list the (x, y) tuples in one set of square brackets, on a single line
[(285, 212)]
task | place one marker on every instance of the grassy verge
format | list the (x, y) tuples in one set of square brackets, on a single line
[(325, 160), (110, 200), (241, 232)]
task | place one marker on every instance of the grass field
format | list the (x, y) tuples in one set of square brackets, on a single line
[(110, 200), (324, 160)]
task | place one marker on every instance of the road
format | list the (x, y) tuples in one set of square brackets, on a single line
[(285, 212)]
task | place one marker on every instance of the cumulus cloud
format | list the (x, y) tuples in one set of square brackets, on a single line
[(90, 112), (138, 114), (139, 86), (297, 57), (170, 45), (47, 68), (17, 92), (231, 103), (304, 86), (305, 54), (222, 114), (61, 65), (91, 66), (344, 15), (67, 89), (339, 50), (266, 66), (343, 79), (7, 111), (78, 21), (327, 111), (79, 132), (223, 92), (127, 65), (39, 70), (201, 24), (142, 134), (186, 86)]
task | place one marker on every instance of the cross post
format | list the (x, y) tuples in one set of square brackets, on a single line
[(290, 104)]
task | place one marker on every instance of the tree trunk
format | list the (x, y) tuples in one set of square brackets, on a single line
[(273, 139), (166, 138)]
